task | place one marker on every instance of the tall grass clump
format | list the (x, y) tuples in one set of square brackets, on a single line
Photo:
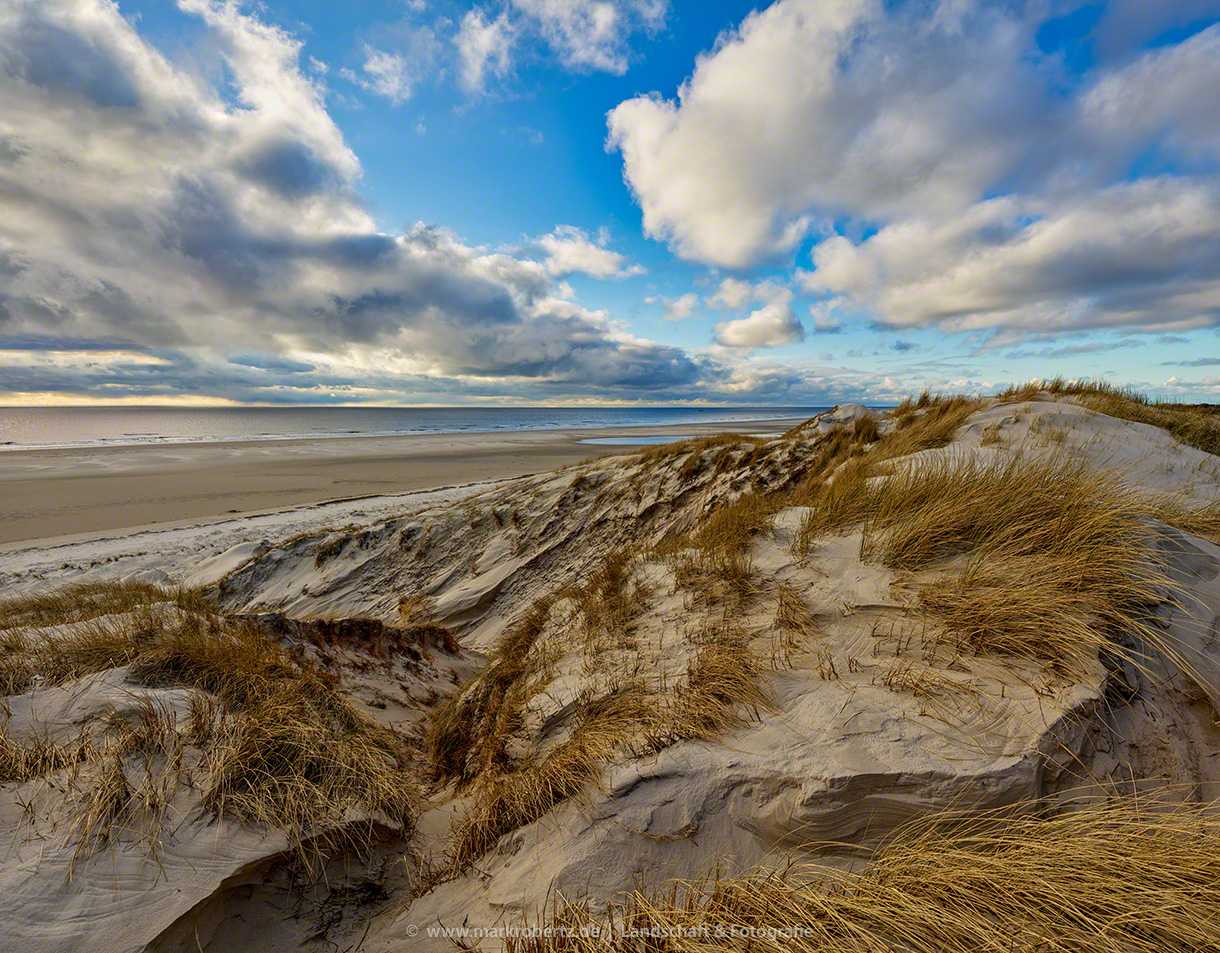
[(84, 601), (1120, 877), (1058, 563), (722, 679), (278, 743), (1042, 558), (289, 751), (467, 735)]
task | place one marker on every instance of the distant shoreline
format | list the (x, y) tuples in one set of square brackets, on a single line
[(69, 491), (32, 428)]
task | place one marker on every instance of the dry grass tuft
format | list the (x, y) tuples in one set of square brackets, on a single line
[(278, 743), (468, 732), (39, 756), (866, 429), (610, 602), (1057, 558), (84, 601), (664, 452), (1058, 566), (928, 423), (502, 802), (1120, 877), (992, 437), (836, 505), (723, 679), (291, 752), (730, 530)]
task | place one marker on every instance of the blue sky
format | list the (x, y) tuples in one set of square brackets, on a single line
[(420, 201)]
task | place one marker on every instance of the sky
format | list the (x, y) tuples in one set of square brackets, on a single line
[(605, 201)]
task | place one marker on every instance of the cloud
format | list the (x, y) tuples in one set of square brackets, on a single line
[(676, 309), (271, 362), (811, 108), (1143, 254), (1197, 362), (772, 325), (394, 74), (948, 123), (484, 47), (569, 250), (214, 216), (735, 294), (592, 34)]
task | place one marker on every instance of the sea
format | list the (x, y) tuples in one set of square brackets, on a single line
[(30, 427)]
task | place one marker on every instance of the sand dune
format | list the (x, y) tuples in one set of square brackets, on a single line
[(727, 651)]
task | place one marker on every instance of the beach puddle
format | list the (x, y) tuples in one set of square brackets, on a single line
[(635, 441)]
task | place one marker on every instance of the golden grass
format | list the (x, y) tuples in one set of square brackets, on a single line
[(1196, 425), (279, 744), (1057, 557), (1120, 877), (467, 734), (730, 529), (291, 752), (928, 423), (610, 602), (664, 452), (39, 756), (835, 505), (83, 601), (469, 737), (722, 679), (502, 802)]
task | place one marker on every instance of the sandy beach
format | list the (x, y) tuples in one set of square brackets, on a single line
[(52, 493)]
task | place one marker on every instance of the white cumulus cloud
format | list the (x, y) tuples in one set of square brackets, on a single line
[(593, 34), (570, 250), (772, 325), (484, 48), (993, 182)]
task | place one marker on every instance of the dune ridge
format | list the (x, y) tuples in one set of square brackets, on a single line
[(646, 689)]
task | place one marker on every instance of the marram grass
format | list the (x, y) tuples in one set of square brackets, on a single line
[(1128, 876)]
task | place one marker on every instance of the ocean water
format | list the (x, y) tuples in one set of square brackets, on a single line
[(25, 427)]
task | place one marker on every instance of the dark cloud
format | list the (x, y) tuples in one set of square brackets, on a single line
[(59, 60), (212, 219), (289, 168), (1197, 362), (270, 362)]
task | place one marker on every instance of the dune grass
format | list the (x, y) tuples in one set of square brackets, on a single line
[(1056, 557), (503, 801), (722, 680), (83, 601), (928, 422), (467, 733), (1196, 425), (278, 743), (621, 710), (1120, 877)]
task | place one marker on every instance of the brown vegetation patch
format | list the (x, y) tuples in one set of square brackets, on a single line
[(1120, 877), (277, 744)]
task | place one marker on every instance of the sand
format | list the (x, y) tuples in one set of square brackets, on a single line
[(873, 716), (50, 493)]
